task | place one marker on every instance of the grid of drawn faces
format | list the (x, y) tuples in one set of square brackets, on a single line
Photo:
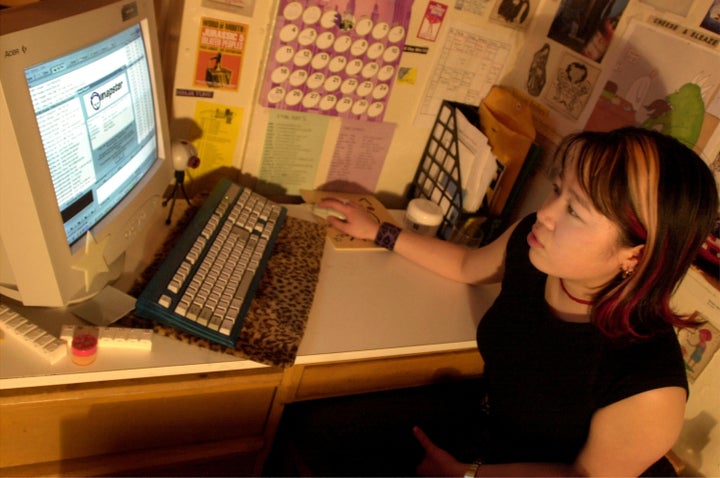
[(332, 63)]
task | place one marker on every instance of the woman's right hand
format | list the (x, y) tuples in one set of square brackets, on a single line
[(358, 223)]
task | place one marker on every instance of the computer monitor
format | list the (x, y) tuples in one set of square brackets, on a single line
[(85, 153)]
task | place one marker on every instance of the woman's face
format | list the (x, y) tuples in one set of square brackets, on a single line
[(572, 240)]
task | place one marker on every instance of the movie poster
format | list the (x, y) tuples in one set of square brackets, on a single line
[(221, 48)]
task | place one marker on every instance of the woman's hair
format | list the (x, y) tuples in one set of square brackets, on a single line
[(660, 194)]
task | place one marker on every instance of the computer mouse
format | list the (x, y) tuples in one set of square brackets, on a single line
[(324, 212)]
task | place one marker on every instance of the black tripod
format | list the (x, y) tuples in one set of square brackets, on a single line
[(179, 184)]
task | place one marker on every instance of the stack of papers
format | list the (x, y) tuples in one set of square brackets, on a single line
[(478, 165)]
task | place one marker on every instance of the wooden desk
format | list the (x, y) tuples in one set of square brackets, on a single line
[(377, 322)]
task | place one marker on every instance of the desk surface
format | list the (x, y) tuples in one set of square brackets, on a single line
[(367, 304)]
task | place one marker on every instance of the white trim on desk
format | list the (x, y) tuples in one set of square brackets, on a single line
[(168, 357), (383, 353)]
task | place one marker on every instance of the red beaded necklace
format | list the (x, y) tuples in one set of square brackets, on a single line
[(572, 297)]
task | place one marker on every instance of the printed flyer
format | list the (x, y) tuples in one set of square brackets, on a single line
[(221, 48)]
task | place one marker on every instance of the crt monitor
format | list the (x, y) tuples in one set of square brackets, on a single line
[(84, 144)]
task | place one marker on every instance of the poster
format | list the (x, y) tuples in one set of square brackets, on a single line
[(472, 60), (359, 156), (432, 21), (221, 48), (292, 150), (647, 88), (678, 7), (587, 26), (220, 125), (335, 57)]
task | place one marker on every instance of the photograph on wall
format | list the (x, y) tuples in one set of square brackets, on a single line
[(647, 87), (221, 48), (698, 345), (335, 57), (569, 87), (587, 26), (711, 21), (513, 13)]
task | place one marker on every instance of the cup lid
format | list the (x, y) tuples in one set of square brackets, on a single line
[(425, 212)]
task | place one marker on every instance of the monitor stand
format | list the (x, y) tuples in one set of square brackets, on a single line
[(106, 307)]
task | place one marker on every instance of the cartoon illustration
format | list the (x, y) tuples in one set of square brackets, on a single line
[(611, 110), (639, 89), (698, 345), (679, 114), (703, 336), (572, 88), (536, 75), (647, 87)]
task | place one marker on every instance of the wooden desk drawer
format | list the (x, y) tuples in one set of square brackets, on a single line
[(97, 419), (324, 380)]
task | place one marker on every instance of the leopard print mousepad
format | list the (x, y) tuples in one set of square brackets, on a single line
[(275, 323)]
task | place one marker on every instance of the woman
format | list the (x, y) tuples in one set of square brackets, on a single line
[(583, 371)]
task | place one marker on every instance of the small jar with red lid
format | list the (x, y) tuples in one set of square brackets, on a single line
[(84, 349)]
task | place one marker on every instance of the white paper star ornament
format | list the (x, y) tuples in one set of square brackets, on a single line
[(93, 262)]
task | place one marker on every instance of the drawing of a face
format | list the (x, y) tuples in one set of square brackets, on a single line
[(576, 72)]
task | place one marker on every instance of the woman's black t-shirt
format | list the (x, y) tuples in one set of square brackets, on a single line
[(546, 377)]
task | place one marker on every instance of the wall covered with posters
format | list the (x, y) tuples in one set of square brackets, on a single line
[(284, 90)]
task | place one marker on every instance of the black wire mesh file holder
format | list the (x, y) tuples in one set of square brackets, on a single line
[(439, 176)]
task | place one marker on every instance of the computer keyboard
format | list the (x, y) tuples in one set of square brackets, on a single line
[(207, 282), (44, 344)]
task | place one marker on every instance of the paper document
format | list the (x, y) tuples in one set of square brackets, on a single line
[(477, 164)]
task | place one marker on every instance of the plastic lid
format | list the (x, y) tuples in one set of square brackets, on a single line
[(424, 212), (84, 345)]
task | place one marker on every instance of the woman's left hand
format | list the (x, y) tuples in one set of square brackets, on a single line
[(437, 462)]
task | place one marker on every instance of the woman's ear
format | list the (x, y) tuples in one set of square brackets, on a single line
[(631, 258)]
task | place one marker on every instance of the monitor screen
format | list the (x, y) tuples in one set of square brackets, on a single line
[(84, 142), (95, 114)]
